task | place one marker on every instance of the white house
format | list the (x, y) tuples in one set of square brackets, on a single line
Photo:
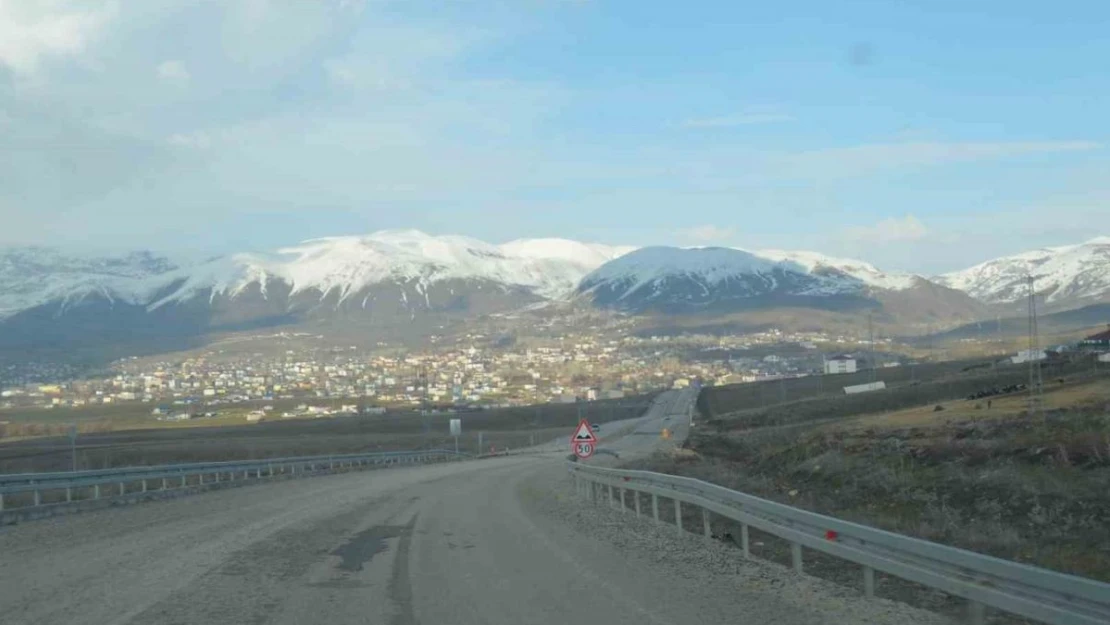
[(1028, 355), (840, 364)]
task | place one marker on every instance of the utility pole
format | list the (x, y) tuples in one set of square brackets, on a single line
[(871, 345), (1035, 381), (423, 381), (73, 446)]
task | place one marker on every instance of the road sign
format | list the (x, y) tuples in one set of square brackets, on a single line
[(456, 427), (583, 434), (584, 450)]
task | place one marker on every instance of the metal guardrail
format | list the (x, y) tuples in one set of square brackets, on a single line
[(178, 475), (1027, 591)]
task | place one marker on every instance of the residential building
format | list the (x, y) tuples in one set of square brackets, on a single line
[(1097, 342), (840, 364), (1027, 355)]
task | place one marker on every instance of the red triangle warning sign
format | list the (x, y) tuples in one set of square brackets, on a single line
[(584, 434)]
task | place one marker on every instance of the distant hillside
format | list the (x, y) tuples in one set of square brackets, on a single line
[(1009, 327)]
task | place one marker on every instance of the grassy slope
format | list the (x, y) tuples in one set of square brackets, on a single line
[(998, 481)]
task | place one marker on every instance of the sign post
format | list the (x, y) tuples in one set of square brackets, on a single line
[(456, 430), (583, 441)]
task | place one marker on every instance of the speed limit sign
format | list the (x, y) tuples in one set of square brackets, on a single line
[(583, 450)]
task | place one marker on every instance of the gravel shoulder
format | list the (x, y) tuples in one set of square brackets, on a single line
[(689, 580)]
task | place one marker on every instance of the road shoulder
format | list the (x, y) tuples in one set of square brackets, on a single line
[(709, 581)]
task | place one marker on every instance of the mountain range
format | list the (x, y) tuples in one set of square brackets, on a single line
[(406, 278), (1064, 277)]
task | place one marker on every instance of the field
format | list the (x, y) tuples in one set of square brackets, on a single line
[(992, 478), (109, 441)]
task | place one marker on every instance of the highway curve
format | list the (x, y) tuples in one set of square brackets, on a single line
[(496, 541)]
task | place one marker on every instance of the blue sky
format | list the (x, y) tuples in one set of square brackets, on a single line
[(922, 136)]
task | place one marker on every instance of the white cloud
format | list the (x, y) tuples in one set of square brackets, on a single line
[(741, 119), (33, 31), (889, 230), (173, 72), (196, 140), (707, 233), (870, 158)]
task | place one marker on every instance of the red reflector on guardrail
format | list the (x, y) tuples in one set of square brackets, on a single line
[(831, 535)]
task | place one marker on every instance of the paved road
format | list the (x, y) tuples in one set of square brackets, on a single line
[(496, 541)]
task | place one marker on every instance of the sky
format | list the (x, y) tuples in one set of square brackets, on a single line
[(924, 135)]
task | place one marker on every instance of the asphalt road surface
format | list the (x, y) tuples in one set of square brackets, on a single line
[(495, 541)]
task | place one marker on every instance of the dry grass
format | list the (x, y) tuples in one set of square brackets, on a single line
[(1081, 395), (996, 481)]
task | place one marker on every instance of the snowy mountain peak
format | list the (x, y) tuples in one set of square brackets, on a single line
[(349, 264), (702, 274), (865, 272), (1068, 275), (712, 264), (33, 276), (564, 249)]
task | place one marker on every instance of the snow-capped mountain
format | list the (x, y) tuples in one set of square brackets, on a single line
[(406, 277), (34, 276), (723, 280), (339, 267), (866, 273), (347, 266), (670, 279), (1068, 276), (390, 279)]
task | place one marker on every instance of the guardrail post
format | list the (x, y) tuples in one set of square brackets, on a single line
[(200, 479), (705, 523), (182, 481), (678, 515), (271, 470), (96, 491), (144, 485), (624, 508), (976, 613), (38, 498), (121, 489), (744, 540), (636, 495), (610, 495), (164, 484), (869, 582), (796, 556), (1, 501), (655, 507)]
